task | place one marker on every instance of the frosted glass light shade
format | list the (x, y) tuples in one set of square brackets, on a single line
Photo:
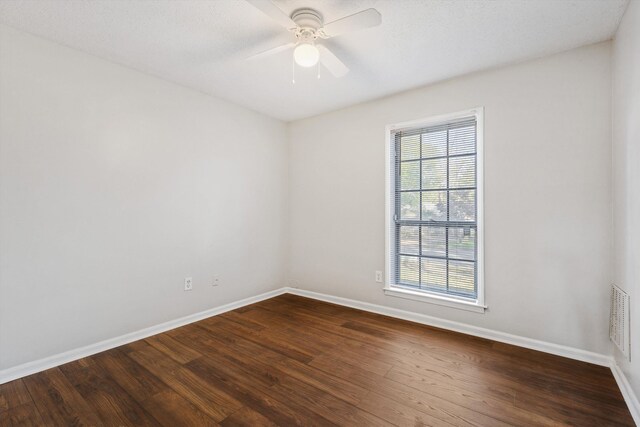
[(306, 55)]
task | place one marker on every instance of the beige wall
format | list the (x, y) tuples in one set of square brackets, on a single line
[(547, 196), (626, 178), (114, 187)]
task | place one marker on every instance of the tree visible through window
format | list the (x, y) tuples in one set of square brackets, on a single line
[(435, 208)]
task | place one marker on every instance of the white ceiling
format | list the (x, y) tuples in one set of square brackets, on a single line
[(202, 43)]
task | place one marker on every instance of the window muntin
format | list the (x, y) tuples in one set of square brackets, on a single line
[(435, 208)]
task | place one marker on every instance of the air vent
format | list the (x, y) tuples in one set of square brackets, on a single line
[(619, 322)]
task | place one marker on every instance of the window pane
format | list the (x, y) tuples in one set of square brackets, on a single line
[(462, 243), (434, 144), (437, 181), (410, 175), (462, 278), (434, 273), (434, 241), (434, 174), (462, 140), (409, 147), (434, 206), (408, 267), (409, 240), (462, 204), (410, 205), (462, 172)]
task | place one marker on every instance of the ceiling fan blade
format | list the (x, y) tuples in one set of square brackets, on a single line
[(271, 51), (271, 10), (366, 19), (333, 64)]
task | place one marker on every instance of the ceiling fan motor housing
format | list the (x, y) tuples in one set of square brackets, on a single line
[(308, 22)]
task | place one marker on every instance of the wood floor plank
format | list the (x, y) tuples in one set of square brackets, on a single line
[(230, 344), (559, 363), (476, 389), (449, 381), (498, 387), (293, 388), (137, 381), (25, 415), (529, 392), (442, 408), (292, 361), (244, 321), (172, 348), (398, 413), (172, 410), (478, 402), (334, 325), (57, 400), (550, 378), (328, 406), (255, 394), (326, 396), (406, 414), (206, 397), (334, 385), (106, 398), (13, 394), (225, 323), (473, 349), (320, 330), (572, 412), (247, 417), (271, 341)]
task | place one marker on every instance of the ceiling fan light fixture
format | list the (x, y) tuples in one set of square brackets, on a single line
[(306, 55)]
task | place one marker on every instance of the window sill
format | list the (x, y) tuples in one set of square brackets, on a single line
[(431, 298)]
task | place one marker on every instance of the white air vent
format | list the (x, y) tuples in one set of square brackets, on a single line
[(619, 322)]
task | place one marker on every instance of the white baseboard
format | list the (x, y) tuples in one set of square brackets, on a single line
[(627, 392), (547, 347), (29, 368)]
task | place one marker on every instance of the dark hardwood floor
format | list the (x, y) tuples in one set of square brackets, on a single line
[(295, 361)]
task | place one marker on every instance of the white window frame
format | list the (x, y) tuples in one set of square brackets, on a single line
[(392, 289)]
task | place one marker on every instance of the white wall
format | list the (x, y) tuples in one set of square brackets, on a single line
[(626, 178), (115, 186), (547, 203)]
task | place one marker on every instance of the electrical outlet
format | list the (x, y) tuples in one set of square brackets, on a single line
[(215, 281), (188, 283), (379, 276)]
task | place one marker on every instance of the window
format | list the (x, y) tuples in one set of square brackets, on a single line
[(434, 205)]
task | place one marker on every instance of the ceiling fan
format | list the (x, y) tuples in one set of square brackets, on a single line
[(308, 27)]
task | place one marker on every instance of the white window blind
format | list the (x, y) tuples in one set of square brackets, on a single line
[(435, 208)]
